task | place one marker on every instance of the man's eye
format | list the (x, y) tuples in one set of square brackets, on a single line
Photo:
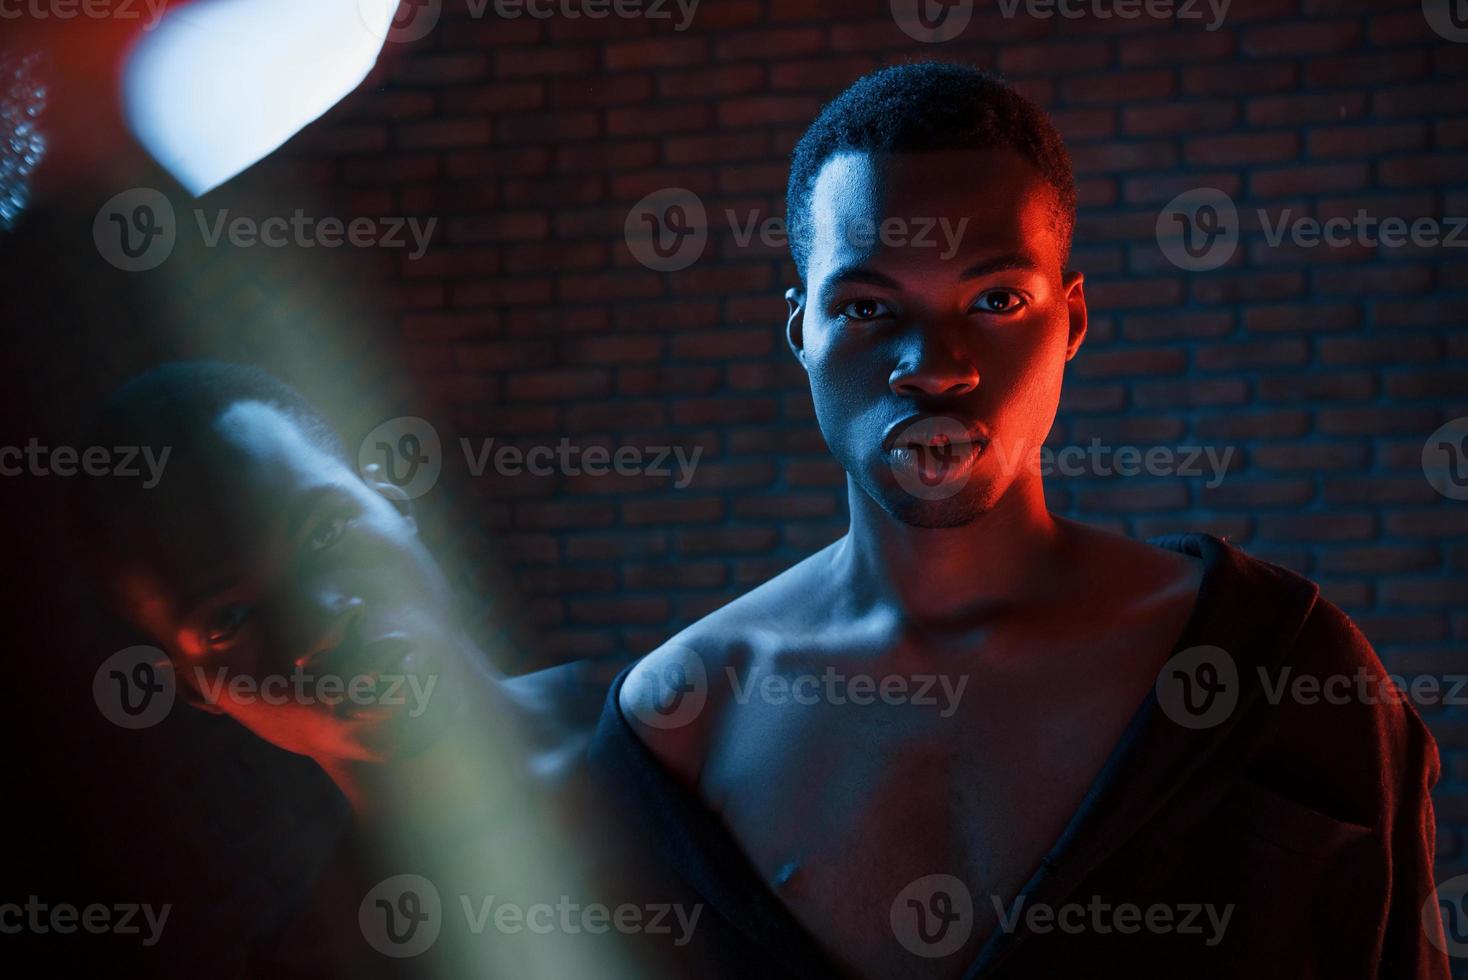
[(326, 534), (999, 301), (864, 309), (223, 625)]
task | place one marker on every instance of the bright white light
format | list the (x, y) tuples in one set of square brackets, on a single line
[(219, 84)]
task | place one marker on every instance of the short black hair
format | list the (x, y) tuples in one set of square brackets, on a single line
[(177, 404), (931, 105)]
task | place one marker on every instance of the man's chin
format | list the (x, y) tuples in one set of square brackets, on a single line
[(936, 507), (955, 512)]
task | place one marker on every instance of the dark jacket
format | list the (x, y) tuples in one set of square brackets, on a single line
[(1309, 816)]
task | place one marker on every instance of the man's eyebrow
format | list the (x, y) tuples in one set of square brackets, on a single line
[(1002, 263), (858, 273)]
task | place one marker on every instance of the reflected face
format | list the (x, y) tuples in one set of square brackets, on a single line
[(935, 324), (291, 594)]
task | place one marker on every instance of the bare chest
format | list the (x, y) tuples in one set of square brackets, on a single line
[(877, 806)]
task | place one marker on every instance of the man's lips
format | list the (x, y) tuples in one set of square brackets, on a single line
[(933, 431), (378, 656)]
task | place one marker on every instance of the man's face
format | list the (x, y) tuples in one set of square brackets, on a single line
[(267, 564), (935, 325)]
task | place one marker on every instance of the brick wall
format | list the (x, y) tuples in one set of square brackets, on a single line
[(1325, 368)]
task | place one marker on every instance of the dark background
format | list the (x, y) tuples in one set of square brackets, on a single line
[(529, 320)]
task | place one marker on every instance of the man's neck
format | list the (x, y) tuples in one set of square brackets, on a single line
[(1001, 559)]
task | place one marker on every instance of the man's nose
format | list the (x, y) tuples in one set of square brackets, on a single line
[(934, 364), (324, 623)]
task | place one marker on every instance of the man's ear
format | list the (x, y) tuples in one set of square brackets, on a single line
[(795, 322), (1075, 302), (390, 491)]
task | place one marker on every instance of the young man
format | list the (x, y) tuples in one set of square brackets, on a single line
[(967, 738), (292, 594)]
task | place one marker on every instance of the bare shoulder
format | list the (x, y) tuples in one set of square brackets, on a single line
[(677, 697), (1147, 578)]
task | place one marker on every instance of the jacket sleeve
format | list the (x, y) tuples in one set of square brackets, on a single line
[(1413, 944)]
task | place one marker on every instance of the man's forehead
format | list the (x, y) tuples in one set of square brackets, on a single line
[(218, 507), (268, 442), (993, 198)]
